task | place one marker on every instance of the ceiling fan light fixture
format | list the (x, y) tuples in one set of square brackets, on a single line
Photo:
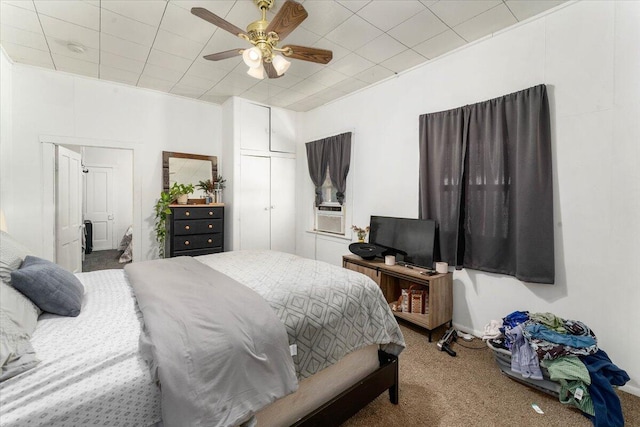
[(252, 57), (256, 73), (280, 64)]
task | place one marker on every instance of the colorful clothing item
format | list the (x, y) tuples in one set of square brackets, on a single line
[(551, 350), (523, 359), (535, 330), (549, 320), (515, 318), (574, 380)]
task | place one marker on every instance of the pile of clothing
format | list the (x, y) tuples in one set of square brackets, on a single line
[(569, 351)]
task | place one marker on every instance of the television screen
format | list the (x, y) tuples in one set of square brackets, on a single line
[(410, 240)]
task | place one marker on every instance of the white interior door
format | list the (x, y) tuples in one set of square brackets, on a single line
[(99, 206), (69, 227), (283, 204), (255, 207)]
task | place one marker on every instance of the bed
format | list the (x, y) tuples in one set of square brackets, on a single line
[(94, 368)]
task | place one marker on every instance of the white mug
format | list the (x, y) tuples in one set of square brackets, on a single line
[(442, 267), (390, 260)]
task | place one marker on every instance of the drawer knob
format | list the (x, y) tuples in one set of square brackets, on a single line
[(186, 242), (187, 213), (210, 213), (186, 227), (210, 225), (209, 241)]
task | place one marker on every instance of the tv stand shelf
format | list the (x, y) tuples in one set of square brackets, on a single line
[(393, 278)]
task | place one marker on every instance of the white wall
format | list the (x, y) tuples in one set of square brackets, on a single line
[(122, 163), (6, 133), (68, 109), (588, 53)]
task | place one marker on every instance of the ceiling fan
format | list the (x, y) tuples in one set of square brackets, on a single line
[(265, 55)]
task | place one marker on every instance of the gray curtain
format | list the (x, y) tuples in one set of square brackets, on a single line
[(333, 152), (317, 162), (486, 177), (338, 152)]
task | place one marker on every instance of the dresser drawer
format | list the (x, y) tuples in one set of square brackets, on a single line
[(200, 241), (197, 226), (215, 212)]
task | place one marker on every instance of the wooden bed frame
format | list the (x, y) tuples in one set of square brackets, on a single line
[(347, 403)]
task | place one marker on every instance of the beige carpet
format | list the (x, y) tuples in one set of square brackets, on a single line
[(468, 390)]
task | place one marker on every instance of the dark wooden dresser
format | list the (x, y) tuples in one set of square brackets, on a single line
[(196, 229)]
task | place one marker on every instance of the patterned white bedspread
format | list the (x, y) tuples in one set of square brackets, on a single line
[(328, 311), (90, 365)]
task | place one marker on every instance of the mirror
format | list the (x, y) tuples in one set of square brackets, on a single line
[(186, 168)]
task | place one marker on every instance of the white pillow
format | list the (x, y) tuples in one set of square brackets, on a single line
[(16, 352), (20, 309), (12, 254)]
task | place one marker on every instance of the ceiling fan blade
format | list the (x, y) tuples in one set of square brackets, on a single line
[(203, 13), (223, 55), (321, 56), (271, 70), (290, 15)]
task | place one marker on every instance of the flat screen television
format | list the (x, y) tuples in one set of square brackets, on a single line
[(411, 240)]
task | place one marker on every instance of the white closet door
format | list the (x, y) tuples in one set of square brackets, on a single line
[(283, 130), (255, 206), (69, 227), (283, 204), (99, 200), (255, 131)]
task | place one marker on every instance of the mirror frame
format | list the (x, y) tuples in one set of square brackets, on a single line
[(166, 155)]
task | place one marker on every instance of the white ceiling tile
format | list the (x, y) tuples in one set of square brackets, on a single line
[(216, 99), (166, 60), (207, 70), (221, 42), (418, 28), (162, 73), (291, 96), (308, 87), (20, 18), (429, 2), (354, 33), (404, 61), (27, 55), (374, 74), (381, 48), (187, 91), (182, 22), (75, 66), (197, 82), (350, 85), (442, 43), (254, 96), (118, 75), (324, 16), (354, 5), (223, 90), (9, 34), (151, 82), (59, 47), (454, 12), (327, 77), (486, 23), (127, 28), (238, 80), (301, 37), (62, 30), (265, 88), (23, 4), (242, 14), (176, 45), (386, 14), (351, 65), (524, 9), (304, 68), (123, 47), (76, 12), (307, 104), (148, 11), (218, 7), (121, 63)]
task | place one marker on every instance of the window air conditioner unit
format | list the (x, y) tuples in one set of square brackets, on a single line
[(330, 218)]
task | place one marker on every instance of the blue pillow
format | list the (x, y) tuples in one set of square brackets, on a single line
[(49, 286)]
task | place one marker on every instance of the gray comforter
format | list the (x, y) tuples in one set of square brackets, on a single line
[(220, 350)]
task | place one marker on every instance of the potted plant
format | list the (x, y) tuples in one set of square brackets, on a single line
[(207, 186), (362, 232), (162, 210), (218, 185), (182, 192)]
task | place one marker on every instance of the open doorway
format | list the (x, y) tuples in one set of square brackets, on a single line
[(106, 198)]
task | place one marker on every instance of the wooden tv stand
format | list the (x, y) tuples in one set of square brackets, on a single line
[(393, 278)]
